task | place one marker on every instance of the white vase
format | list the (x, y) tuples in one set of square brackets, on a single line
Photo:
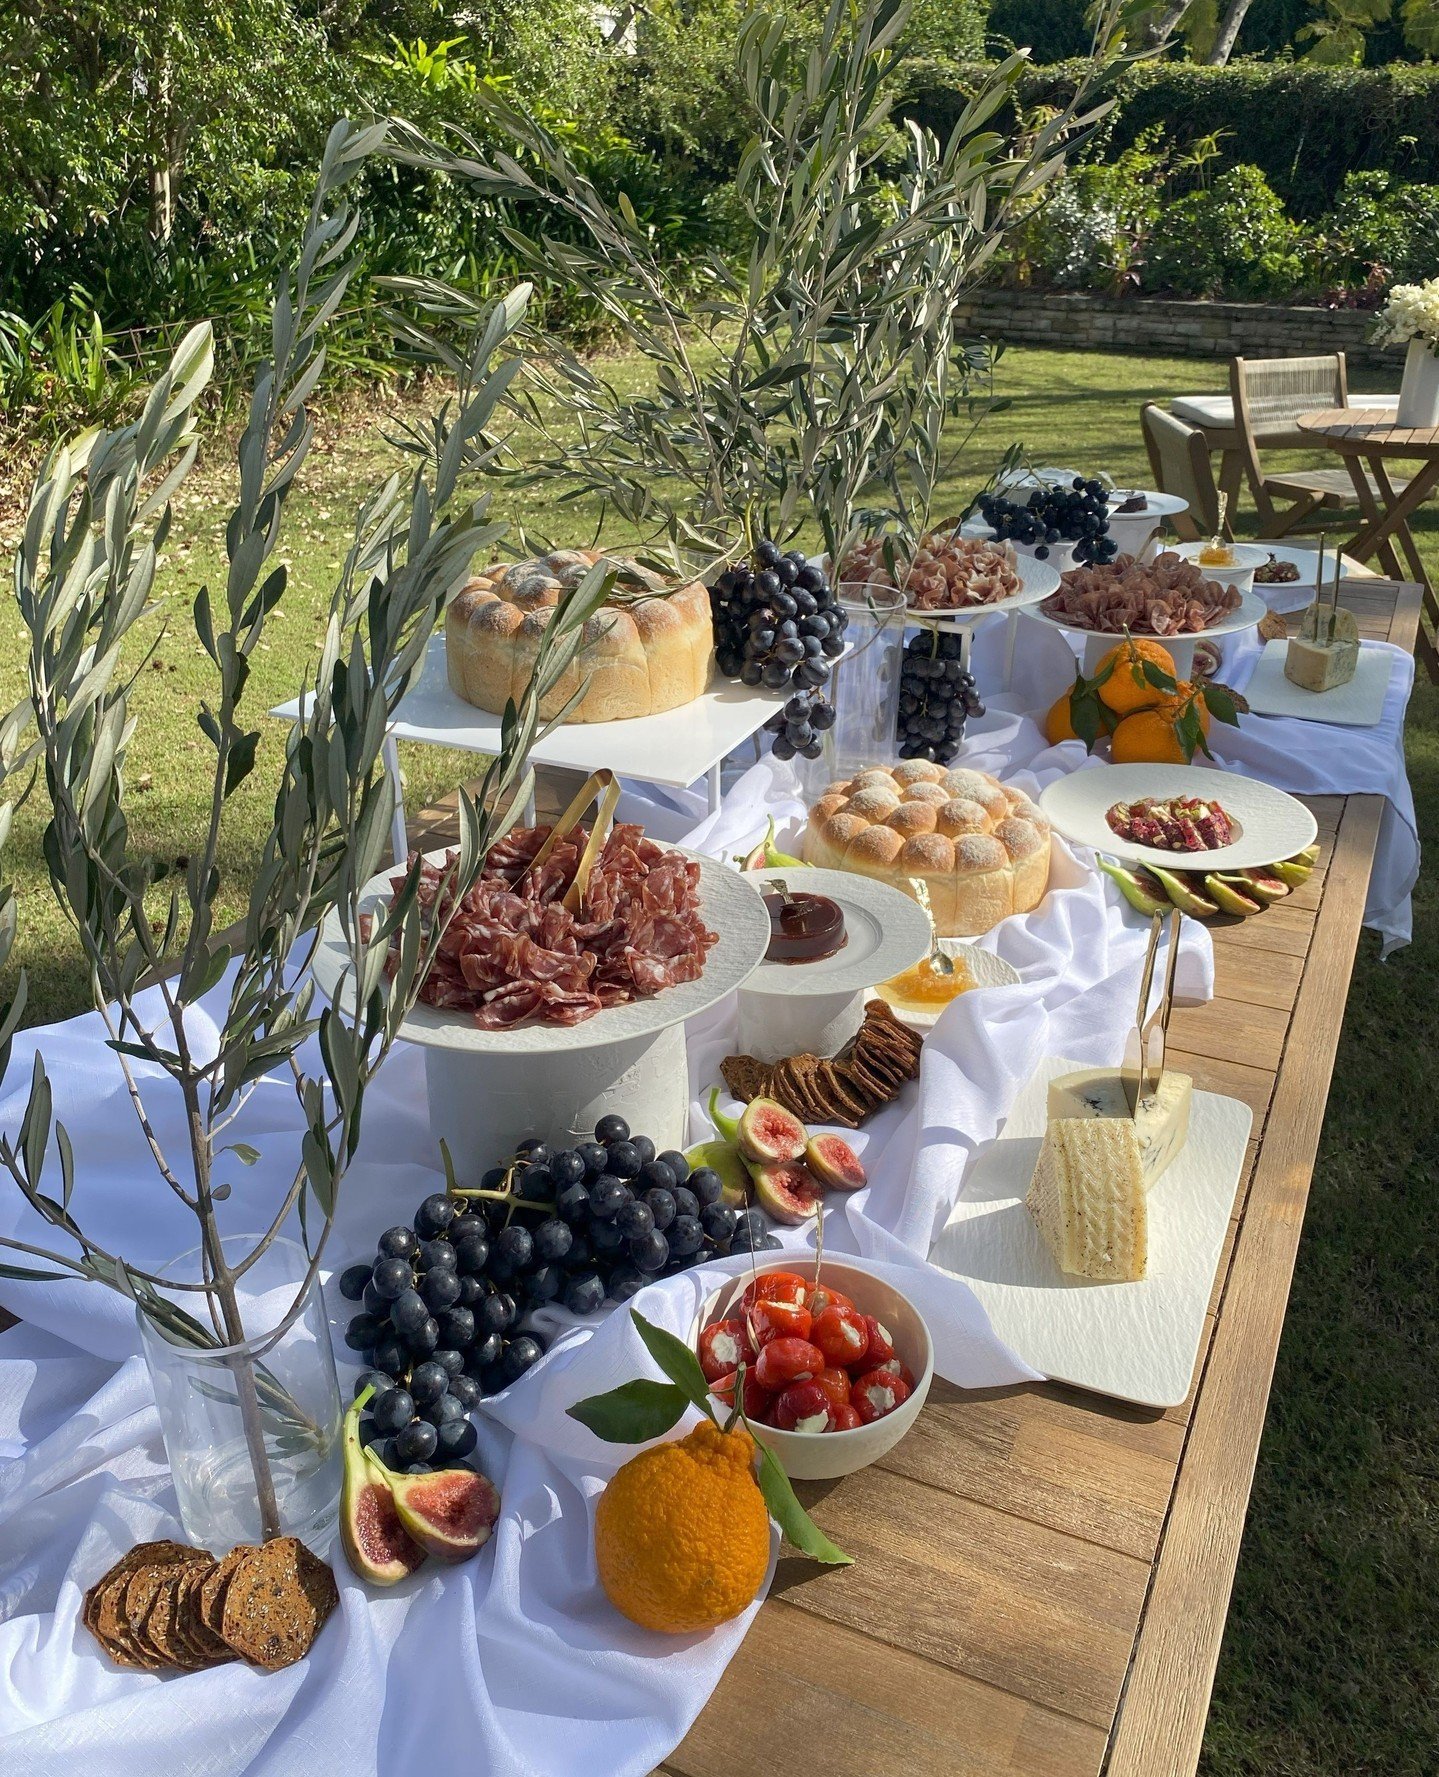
[(1419, 391)]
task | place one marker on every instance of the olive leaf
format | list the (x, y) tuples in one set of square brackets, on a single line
[(794, 1521), (1223, 704), (634, 1412), (677, 1361)]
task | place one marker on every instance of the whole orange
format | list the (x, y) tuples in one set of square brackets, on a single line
[(1126, 689), (1149, 737), (1059, 724), (682, 1533)]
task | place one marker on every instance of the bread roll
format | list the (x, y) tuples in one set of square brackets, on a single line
[(982, 849), (637, 657)]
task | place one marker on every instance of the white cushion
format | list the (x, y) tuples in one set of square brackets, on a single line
[(1218, 410)]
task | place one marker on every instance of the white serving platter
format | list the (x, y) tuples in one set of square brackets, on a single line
[(1306, 560), (1038, 579), (729, 906), (1250, 611), (983, 967), (1136, 1341), (885, 931), (675, 748), (1268, 823), (1359, 704)]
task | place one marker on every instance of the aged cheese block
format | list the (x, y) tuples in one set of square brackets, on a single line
[(981, 849), (1161, 1123), (647, 650), (1325, 653), (1087, 1198)]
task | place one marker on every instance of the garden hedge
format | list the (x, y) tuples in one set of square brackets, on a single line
[(1304, 124)]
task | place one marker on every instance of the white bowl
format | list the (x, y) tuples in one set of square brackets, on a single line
[(826, 1456), (985, 970), (1240, 576)]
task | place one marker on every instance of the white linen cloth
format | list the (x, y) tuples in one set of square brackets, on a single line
[(514, 1663)]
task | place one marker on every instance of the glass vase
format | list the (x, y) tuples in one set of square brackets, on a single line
[(251, 1428), (864, 687)]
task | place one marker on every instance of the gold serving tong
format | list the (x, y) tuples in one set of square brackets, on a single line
[(939, 963), (1143, 1064)]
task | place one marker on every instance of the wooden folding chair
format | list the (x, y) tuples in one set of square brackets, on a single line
[(1269, 396), (1179, 462)]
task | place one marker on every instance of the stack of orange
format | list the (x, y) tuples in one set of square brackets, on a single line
[(1142, 719)]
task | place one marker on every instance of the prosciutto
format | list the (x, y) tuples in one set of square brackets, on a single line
[(1166, 597), (514, 953)]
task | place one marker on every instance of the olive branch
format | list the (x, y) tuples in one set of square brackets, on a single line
[(99, 514)]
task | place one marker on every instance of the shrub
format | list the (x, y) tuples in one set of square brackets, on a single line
[(1379, 220), (1234, 240)]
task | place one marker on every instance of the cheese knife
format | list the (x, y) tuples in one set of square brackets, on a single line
[(1133, 1070)]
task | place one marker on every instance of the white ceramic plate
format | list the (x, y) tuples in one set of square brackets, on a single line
[(885, 932), (1269, 823), (1359, 704), (1160, 505), (1306, 560), (983, 967), (1037, 580), (729, 906), (1137, 1341), (1250, 611), (1247, 557)]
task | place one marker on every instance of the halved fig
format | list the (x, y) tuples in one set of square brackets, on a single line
[(767, 1131), (1263, 885), (787, 1192), (375, 1542), (834, 1162), (449, 1513)]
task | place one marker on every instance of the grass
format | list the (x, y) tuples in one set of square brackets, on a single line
[(1330, 1666)]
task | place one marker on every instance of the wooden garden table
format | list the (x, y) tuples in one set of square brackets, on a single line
[(1042, 1575), (1368, 439)]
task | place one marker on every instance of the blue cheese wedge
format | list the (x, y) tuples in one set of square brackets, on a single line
[(1325, 653), (1087, 1198), (1161, 1124)]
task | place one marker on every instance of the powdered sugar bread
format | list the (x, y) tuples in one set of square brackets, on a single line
[(981, 848)]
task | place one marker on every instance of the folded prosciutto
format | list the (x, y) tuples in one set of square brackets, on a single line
[(514, 952)]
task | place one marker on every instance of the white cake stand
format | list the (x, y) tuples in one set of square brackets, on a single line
[(1250, 611), (814, 1008), (491, 1089)]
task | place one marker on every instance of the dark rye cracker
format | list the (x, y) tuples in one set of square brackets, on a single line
[(277, 1602), (745, 1077), (162, 1625), (214, 1587), (203, 1641), (105, 1612)]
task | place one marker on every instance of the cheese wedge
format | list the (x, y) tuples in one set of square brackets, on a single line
[(1087, 1198), (1161, 1123), (1325, 653)]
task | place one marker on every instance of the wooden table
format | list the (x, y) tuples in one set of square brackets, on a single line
[(1043, 1575), (1365, 438)]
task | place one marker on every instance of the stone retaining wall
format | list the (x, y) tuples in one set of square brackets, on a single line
[(1176, 329)]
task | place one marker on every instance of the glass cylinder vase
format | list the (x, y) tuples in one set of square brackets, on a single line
[(864, 687), (251, 1427)]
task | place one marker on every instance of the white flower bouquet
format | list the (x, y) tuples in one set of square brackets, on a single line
[(1412, 312)]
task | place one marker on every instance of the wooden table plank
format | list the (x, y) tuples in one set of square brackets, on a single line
[(1161, 1724)]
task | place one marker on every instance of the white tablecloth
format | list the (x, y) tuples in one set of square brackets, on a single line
[(513, 1663)]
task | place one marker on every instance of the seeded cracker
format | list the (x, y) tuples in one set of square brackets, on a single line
[(214, 1587), (277, 1602)]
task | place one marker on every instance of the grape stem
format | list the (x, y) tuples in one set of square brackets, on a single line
[(498, 1197)]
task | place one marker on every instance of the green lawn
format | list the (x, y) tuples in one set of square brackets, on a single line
[(1331, 1662)]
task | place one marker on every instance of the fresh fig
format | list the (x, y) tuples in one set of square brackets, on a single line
[(767, 855), (720, 1157), (1133, 889), (449, 1513), (376, 1544), (1230, 894), (751, 860), (1262, 886), (1183, 894), (787, 1192), (834, 1162), (1291, 874), (767, 1131)]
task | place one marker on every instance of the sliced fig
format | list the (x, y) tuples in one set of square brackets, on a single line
[(1183, 894), (786, 1191), (767, 1131), (1263, 885), (449, 1513), (752, 860), (1134, 889), (834, 1162), (720, 1157), (376, 1544), (1231, 895)]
